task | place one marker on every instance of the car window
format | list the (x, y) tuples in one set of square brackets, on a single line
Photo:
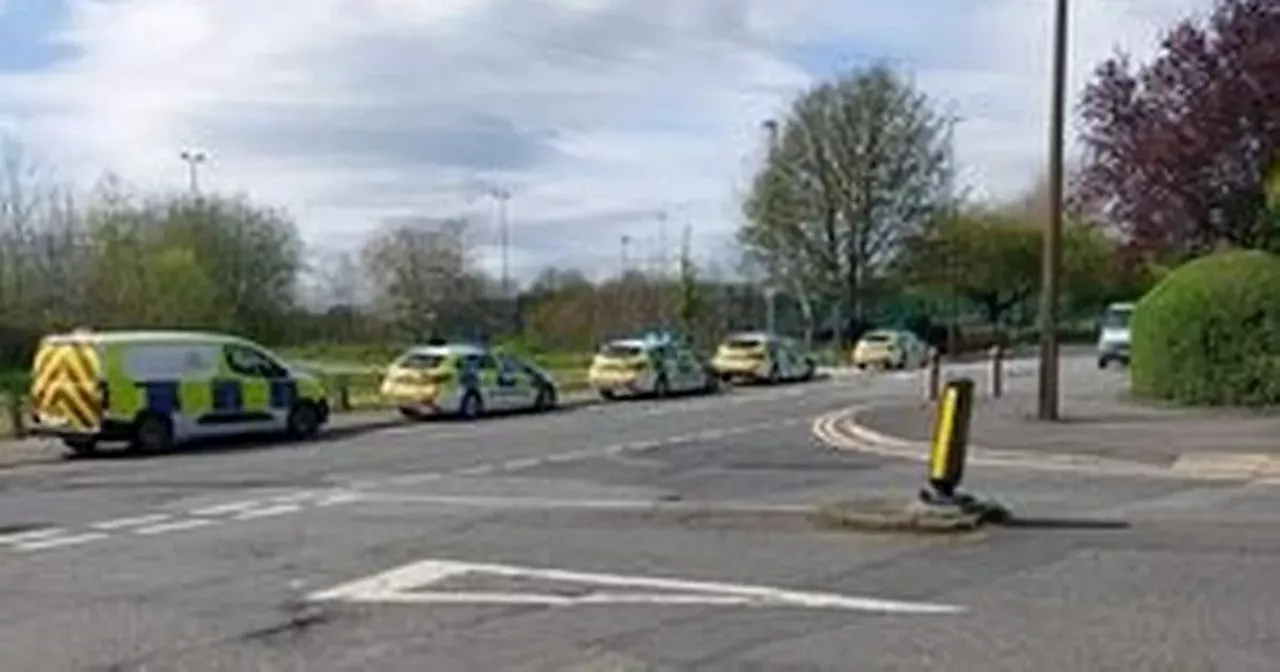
[(488, 363), (878, 337), (248, 361), (743, 343), (509, 364), (420, 361), (1117, 318), (621, 351)]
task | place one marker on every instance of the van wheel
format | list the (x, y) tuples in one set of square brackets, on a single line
[(81, 447), (471, 407), (151, 434), (303, 421)]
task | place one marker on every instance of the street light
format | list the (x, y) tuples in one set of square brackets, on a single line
[(193, 160), (1052, 263)]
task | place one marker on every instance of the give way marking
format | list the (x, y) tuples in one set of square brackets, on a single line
[(405, 585)]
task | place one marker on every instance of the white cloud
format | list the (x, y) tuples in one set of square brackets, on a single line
[(596, 113)]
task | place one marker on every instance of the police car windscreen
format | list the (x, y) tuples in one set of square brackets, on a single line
[(420, 361), (621, 351)]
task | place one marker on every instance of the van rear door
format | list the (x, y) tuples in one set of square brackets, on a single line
[(66, 390)]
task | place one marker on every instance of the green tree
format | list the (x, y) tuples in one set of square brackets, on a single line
[(990, 258), (858, 165)]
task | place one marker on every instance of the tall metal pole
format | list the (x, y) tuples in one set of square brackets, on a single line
[(502, 196), (770, 127), (193, 159), (625, 255), (1052, 262)]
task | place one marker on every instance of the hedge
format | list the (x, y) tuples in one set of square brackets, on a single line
[(1209, 332)]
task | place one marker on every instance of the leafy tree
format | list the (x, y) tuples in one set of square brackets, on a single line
[(859, 163), (988, 257), (1178, 150)]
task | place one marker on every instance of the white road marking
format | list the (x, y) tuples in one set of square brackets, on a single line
[(31, 535), (574, 455), (290, 498), (553, 503), (278, 510), (517, 465), (643, 445), (478, 470), (175, 526), (56, 542), (135, 521), (229, 507), (403, 585), (339, 498)]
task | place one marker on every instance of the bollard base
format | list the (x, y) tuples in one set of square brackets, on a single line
[(907, 515)]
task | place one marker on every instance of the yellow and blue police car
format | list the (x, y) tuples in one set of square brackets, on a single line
[(155, 389), (653, 365), (758, 356), (467, 381)]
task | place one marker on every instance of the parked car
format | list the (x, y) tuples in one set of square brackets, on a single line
[(466, 381), (649, 366), (760, 356), (1113, 336), (890, 349)]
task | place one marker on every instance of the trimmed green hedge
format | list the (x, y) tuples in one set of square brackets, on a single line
[(1209, 332)]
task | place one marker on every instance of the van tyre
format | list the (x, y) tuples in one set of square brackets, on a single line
[(152, 433), (471, 407), (303, 421), (81, 447)]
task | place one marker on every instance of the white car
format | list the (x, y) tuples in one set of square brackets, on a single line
[(1113, 337)]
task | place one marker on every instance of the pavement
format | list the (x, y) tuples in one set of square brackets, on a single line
[(1100, 423), (650, 535)]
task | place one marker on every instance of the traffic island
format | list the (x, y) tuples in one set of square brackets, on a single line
[(940, 507), (882, 514)]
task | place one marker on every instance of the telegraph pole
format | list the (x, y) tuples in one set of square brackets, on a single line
[(625, 255), (1052, 262), (193, 159)]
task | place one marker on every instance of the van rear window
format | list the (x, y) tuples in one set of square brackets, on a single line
[(744, 344)]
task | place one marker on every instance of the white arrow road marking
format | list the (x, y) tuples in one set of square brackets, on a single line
[(403, 586)]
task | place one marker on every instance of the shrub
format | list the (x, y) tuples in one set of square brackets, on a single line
[(1209, 332)]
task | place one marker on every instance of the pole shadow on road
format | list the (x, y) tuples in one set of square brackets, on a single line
[(1050, 523)]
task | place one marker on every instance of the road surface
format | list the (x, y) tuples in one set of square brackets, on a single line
[(664, 535)]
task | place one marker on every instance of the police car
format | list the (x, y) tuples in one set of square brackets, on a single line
[(762, 357), (653, 365), (467, 381)]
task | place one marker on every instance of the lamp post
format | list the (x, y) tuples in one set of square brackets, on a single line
[(1052, 262), (194, 159)]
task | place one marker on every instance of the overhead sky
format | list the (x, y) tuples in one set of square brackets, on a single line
[(594, 114)]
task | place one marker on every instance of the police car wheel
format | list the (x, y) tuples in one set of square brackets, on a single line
[(471, 406), (152, 434), (546, 399), (660, 387), (304, 421)]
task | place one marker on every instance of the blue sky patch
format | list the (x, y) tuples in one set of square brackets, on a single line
[(26, 29)]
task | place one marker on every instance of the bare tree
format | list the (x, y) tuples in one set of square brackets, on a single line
[(421, 273)]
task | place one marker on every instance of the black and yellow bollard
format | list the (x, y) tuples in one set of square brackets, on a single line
[(950, 441)]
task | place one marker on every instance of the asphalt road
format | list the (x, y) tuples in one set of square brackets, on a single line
[(636, 536)]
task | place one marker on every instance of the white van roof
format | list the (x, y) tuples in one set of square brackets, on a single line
[(153, 336)]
